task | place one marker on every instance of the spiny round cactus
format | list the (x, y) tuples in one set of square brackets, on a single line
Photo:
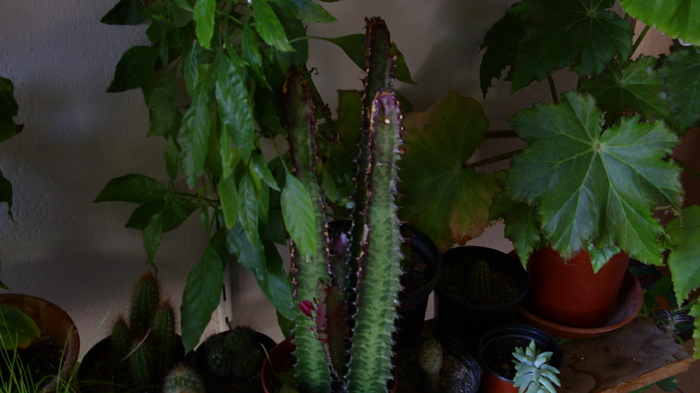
[(240, 338), (220, 362), (533, 373), (479, 282), (247, 363), (430, 359), (182, 379)]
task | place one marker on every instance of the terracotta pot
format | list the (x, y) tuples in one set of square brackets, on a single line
[(569, 292), (54, 322), (496, 347)]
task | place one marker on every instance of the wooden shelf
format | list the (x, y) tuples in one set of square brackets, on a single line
[(623, 360)]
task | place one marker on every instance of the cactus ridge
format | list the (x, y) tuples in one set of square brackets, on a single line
[(145, 301), (480, 282)]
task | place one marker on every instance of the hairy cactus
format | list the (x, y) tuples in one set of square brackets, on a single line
[(235, 353), (533, 372), (182, 379), (145, 348), (357, 297), (430, 359), (479, 282)]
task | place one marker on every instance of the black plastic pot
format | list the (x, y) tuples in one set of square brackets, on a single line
[(459, 372), (421, 267), (495, 354), (458, 317)]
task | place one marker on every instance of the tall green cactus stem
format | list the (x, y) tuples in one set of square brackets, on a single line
[(140, 363), (120, 342), (380, 259), (144, 302), (309, 271), (183, 379), (163, 333)]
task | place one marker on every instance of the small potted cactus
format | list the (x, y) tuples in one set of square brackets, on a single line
[(345, 287), (183, 379), (231, 360), (522, 354), (140, 352), (478, 289), (429, 365)]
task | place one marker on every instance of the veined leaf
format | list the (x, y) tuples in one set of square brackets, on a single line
[(298, 214), (126, 12), (675, 18), (446, 200), (684, 260), (194, 136), (132, 188), (269, 26), (681, 73), (235, 109), (201, 296), (636, 87), (134, 69), (593, 186), (581, 34), (152, 235), (308, 10), (174, 210), (248, 211), (228, 195), (17, 329), (522, 225), (164, 116), (204, 16)]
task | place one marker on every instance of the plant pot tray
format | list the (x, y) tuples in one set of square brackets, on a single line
[(623, 360)]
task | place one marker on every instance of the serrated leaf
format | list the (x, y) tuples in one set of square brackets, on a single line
[(501, 43), (593, 186), (134, 69), (522, 225), (204, 16), (201, 296), (132, 188), (17, 329), (637, 87), (298, 214), (684, 260), (235, 109), (581, 34), (193, 137), (445, 200), (269, 26), (681, 73), (126, 12), (164, 117), (675, 18)]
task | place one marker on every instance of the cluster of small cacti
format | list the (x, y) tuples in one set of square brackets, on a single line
[(533, 373), (235, 353), (479, 282), (143, 350), (430, 360), (354, 296), (183, 379)]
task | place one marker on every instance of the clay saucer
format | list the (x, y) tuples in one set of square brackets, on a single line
[(627, 306)]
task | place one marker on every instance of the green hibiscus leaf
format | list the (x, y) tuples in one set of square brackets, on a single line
[(681, 73), (132, 188), (636, 87), (684, 260), (446, 200), (175, 211), (152, 235), (675, 18), (204, 16), (6, 192), (134, 69), (126, 12), (164, 116), (194, 136), (308, 10), (269, 26), (235, 108), (502, 43), (581, 34), (593, 186)]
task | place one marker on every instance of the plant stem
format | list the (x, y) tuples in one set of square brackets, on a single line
[(552, 88), (492, 160), (639, 40)]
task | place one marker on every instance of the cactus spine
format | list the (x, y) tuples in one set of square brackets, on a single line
[(234, 353), (182, 379), (329, 314), (430, 360)]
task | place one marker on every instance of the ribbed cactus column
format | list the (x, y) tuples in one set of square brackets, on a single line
[(380, 259), (309, 271)]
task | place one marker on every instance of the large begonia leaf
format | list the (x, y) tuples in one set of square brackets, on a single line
[(582, 34), (595, 186), (675, 18), (441, 196), (636, 87), (681, 72), (684, 260)]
